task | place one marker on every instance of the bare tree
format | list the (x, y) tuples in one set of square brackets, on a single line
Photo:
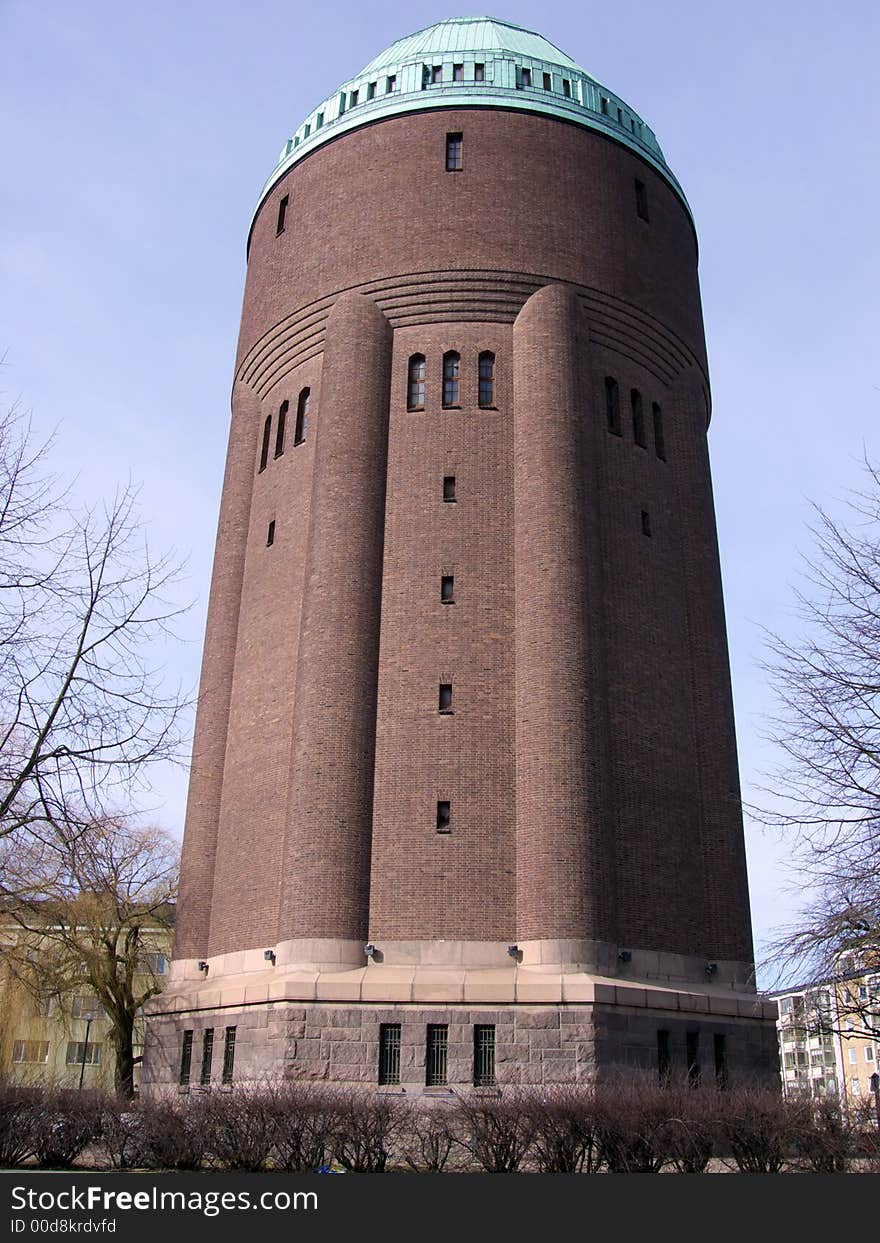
[(826, 790), (84, 606), (93, 910)]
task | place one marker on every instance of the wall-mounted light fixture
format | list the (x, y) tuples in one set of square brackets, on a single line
[(269, 956), (369, 949), (203, 966)]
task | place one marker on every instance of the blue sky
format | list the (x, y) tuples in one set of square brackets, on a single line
[(136, 140)]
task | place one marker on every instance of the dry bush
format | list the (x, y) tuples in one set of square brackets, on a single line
[(427, 1138), (633, 1124), (825, 1142), (172, 1137), (566, 1130), (238, 1127), (689, 1137), (63, 1122), (365, 1129), (761, 1128), (122, 1133), (497, 1130), (16, 1106), (306, 1121)]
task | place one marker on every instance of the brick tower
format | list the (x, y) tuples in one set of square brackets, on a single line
[(464, 801)]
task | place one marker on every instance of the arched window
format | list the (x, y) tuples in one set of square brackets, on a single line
[(451, 370), (302, 416), (415, 387), (612, 405), (487, 378), (267, 435), (279, 434), (638, 414)]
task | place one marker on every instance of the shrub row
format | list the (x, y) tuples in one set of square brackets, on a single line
[(634, 1126)]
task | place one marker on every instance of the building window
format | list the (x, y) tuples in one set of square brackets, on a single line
[(646, 522), (612, 405), (721, 1060), (479, 72), (620, 116), (853, 1055), (448, 488), (453, 153), (186, 1050), (389, 1053), (451, 370), (641, 200), (458, 73), (207, 1054), (267, 436), (856, 1087), (77, 1053), (447, 589), (319, 120), (30, 1051), (692, 1046), (302, 416), (279, 434), (663, 1056), (548, 82), (282, 214), (484, 1055), (307, 131), (566, 88), (445, 703), (435, 1055), (82, 1006), (659, 440), (444, 816), (415, 385), (487, 380), (371, 90), (270, 534), (229, 1055), (869, 1053), (638, 417), (157, 963), (603, 102), (527, 77), (437, 74), (390, 83), (341, 102), (352, 99)]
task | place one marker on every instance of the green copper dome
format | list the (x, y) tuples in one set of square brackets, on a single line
[(473, 62)]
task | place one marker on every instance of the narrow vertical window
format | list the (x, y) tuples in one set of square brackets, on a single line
[(458, 73), (415, 384), (604, 106), (638, 417), (270, 534), (720, 1060), (282, 423), (527, 77), (282, 214), (692, 1044), (186, 1050), (371, 90), (548, 82), (307, 131), (453, 153), (659, 441), (389, 1053), (445, 701), (620, 116), (228, 1055), (486, 367), (646, 522), (353, 98), (447, 589), (566, 88), (267, 437), (435, 1055), (641, 200), (448, 488), (484, 1055), (612, 405), (207, 1054), (390, 83), (319, 120), (479, 72), (437, 74), (444, 817), (663, 1058), (451, 369), (302, 416)]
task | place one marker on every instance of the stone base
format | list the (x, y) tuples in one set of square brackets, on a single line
[(549, 1027)]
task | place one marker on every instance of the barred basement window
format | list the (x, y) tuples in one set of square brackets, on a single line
[(389, 1053), (448, 488), (612, 406), (451, 371), (444, 817), (659, 440), (479, 72), (282, 213), (302, 416), (548, 82), (646, 522), (435, 1055), (692, 1044), (267, 436), (270, 534), (638, 417), (641, 200), (415, 386), (484, 1055), (487, 380), (447, 589), (445, 699), (721, 1060), (207, 1054), (282, 422), (663, 1058), (186, 1049), (228, 1055), (453, 153)]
